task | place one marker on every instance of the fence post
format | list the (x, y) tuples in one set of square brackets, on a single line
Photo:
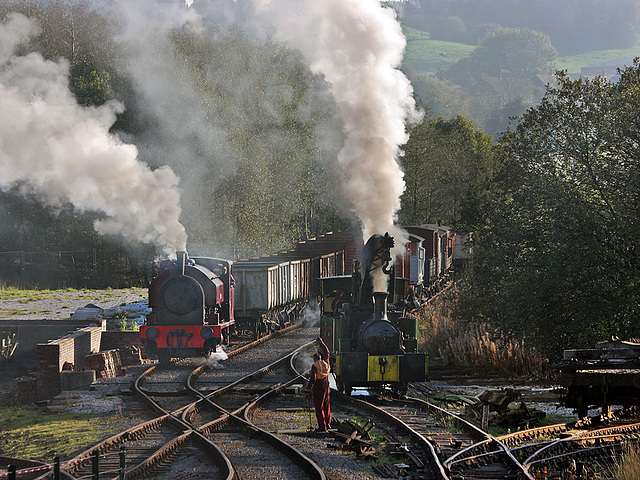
[(56, 468), (11, 470), (122, 462), (22, 269), (95, 465), (94, 267)]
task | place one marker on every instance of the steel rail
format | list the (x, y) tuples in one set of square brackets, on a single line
[(611, 435), (475, 432), (140, 430), (239, 415), (223, 462), (425, 445)]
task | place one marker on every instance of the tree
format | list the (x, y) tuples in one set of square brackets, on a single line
[(557, 230), (262, 170), (499, 74), (440, 98), (515, 52), (443, 161)]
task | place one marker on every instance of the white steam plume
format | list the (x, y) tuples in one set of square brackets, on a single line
[(63, 152), (310, 315), (358, 45)]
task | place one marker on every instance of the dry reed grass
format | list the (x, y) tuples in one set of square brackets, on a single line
[(628, 466), (458, 342)]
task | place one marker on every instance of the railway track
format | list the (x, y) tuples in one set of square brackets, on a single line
[(230, 424), (555, 451), (203, 427), (170, 442), (433, 435)]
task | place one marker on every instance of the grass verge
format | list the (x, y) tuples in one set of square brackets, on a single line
[(41, 436)]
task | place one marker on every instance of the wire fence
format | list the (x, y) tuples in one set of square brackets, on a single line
[(61, 269), (111, 469), (95, 268)]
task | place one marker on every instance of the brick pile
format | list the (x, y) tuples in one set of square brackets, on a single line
[(106, 364)]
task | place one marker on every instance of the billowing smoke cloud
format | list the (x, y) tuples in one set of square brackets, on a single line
[(63, 152), (358, 46), (217, 94)]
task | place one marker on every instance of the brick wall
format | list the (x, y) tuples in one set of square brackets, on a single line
[(52, 356), (120, 340)]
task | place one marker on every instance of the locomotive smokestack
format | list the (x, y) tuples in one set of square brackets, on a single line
[(182, 260), (380, 305)]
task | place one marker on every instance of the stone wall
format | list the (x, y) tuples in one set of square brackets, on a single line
[(128, 343), (112, 340)]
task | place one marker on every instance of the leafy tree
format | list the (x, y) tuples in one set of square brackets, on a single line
[(440, 98), (557, 230), (443, 161), (515, 52), (90, 86), (261, 178), (506, 53)]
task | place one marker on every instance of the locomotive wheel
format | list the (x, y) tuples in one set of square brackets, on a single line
[(400, 390), (209, 347)]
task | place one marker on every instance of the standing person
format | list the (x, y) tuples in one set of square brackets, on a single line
[(319, 386)]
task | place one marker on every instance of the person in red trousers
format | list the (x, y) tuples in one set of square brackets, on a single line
[(319, 386)]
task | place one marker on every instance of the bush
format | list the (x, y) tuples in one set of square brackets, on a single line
[(457, 342)]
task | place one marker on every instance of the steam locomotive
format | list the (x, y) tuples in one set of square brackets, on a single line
[(371, 346), (191, 303), (197, 303)]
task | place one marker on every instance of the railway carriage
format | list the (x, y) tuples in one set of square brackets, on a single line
[(438, 244)]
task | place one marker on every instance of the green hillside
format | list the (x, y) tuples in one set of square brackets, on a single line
[(428, 56), (425, 55), (574, 63)]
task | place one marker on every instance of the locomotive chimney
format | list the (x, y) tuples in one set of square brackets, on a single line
[(380, 305), (182, 260)]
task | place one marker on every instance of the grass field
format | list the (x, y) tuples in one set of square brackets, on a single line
[(41, 436), (425, 55), (574, 63)]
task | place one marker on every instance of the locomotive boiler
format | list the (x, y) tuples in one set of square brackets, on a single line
[(371, 345), (191, 301)]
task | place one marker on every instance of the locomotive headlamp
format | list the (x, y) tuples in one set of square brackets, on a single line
[(152, 333), (206, 333)]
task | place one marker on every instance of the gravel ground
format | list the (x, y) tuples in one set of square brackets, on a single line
[(60, 304), (336, 464), (108, 398)]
